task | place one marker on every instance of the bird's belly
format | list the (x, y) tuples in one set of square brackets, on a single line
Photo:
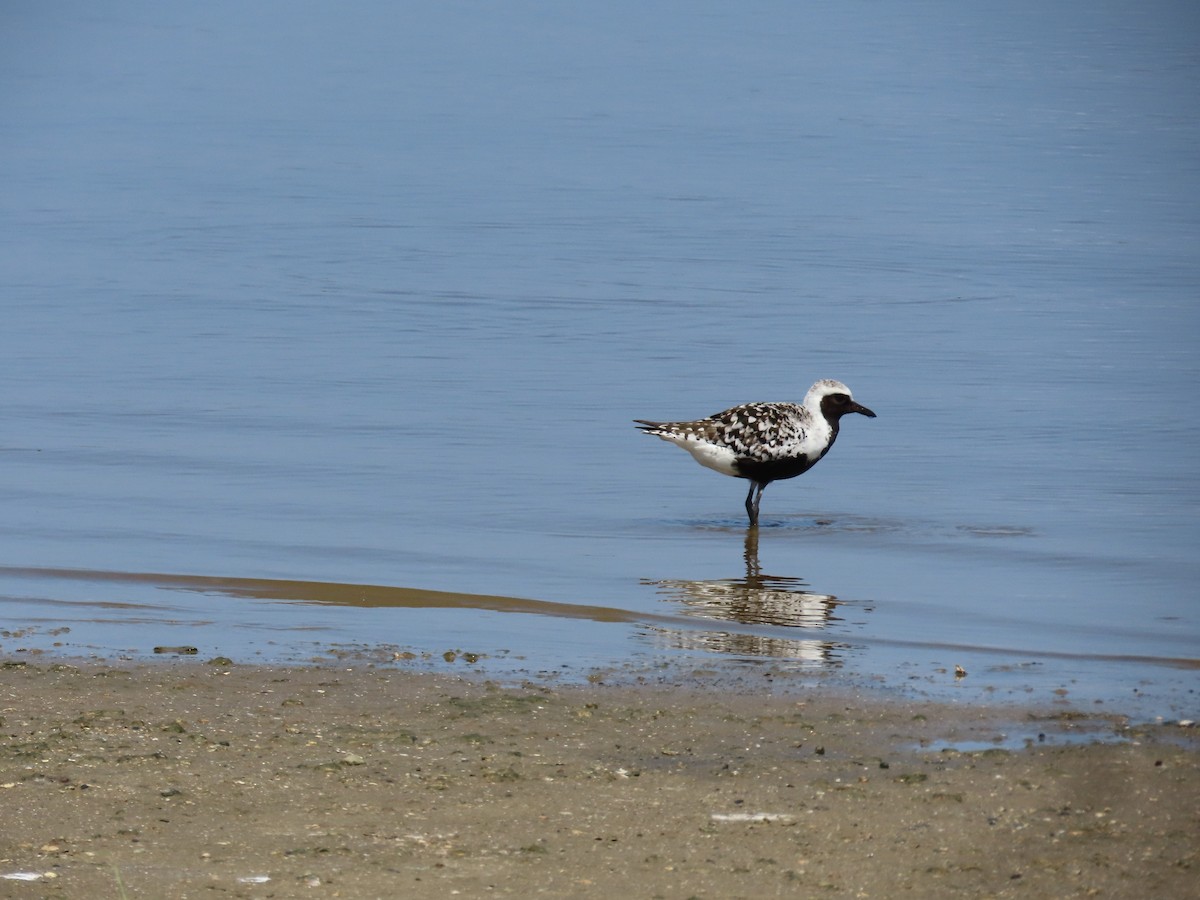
[(764, 471), (712, 456)]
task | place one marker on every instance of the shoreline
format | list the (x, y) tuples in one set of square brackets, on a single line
[(179, 777), (458, 633)]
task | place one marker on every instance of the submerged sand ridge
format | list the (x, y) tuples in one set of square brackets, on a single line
[(184, 779), (777, 620)]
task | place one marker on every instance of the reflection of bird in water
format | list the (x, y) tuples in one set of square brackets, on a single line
[(757, 599), (764, 442)]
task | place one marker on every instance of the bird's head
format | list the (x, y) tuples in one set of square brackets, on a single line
[(834, 400)]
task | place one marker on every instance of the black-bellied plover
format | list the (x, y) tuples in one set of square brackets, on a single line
[(764, 442)]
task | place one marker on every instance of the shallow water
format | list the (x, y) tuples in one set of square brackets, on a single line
[(324, 299)]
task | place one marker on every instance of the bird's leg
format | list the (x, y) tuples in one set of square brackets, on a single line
[(752, 501)]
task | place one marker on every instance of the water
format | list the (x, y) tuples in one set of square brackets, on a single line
[(369, 296)]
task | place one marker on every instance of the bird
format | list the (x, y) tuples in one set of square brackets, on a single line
[(764, 442)]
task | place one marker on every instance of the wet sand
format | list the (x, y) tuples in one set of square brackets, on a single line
[(193, 779)]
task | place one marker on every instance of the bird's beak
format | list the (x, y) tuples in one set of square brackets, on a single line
[(859, 408)]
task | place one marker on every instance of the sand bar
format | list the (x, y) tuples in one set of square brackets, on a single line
[(194, 779)]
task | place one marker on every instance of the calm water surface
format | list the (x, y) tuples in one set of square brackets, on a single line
[(324, 328)]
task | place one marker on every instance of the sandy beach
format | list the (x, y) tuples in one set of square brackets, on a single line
[(202, 779)]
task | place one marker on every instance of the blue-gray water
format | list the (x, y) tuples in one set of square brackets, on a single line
[(369, 294)]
